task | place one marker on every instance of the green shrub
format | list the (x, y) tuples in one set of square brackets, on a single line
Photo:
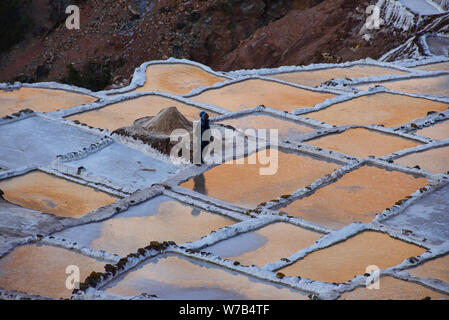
[(93, 75)]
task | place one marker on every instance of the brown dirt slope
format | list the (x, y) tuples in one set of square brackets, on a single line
[(116, 36)]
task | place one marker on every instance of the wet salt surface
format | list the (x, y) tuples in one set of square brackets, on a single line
[(394, 289), (433, 160), (374, 109), (177, 78), (431, 86), (362, 142), (243, 185), (437, 269), (123, 165), (434, 66), (341, 262), (317, 77), (269, 244), (124, 114), (286, 129), (43, 192), (41, 270), (357, 196), (438, 131), (40, 100), (175, 278), (35, 141), (428, 217), (252, 93), (159, 219)]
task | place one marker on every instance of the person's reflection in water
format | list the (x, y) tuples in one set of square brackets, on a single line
[(199, 185)]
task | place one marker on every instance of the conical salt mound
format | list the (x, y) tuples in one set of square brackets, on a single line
[(166, 121)]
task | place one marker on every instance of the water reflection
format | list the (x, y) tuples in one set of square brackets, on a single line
[(199, 185), (174, 277), (159, 219), (269, 244)]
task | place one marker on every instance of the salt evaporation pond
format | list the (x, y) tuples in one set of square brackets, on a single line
[(40, 100), (177, 78), (314, 78), (387, 109), (343, 261), (43, 192), (427, 217), (357, 196), (242, 184), (252, 93), (41, 270), (393, 289), (173, 277), (265, 245), (362, 142), (159, 219), (439, 131), (35, 141)]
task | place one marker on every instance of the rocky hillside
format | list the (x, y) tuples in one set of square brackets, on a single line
[(116, 36)]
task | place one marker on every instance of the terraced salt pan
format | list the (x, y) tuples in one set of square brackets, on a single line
[(439, 131), (40, 100), (251, 93), (362, 142), (269, 244), (159, 219), (434, 66), (341, 262), (433, 160), (125, 113), (437, 269), (393, 289), (427, 217), (286, 129), (173, 277), (243, 185), (46, 193), (438, 85), (358, 196), (386, 109), (126, 166), (35, 141), (317, 77), (41, 270), (177, 78)]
